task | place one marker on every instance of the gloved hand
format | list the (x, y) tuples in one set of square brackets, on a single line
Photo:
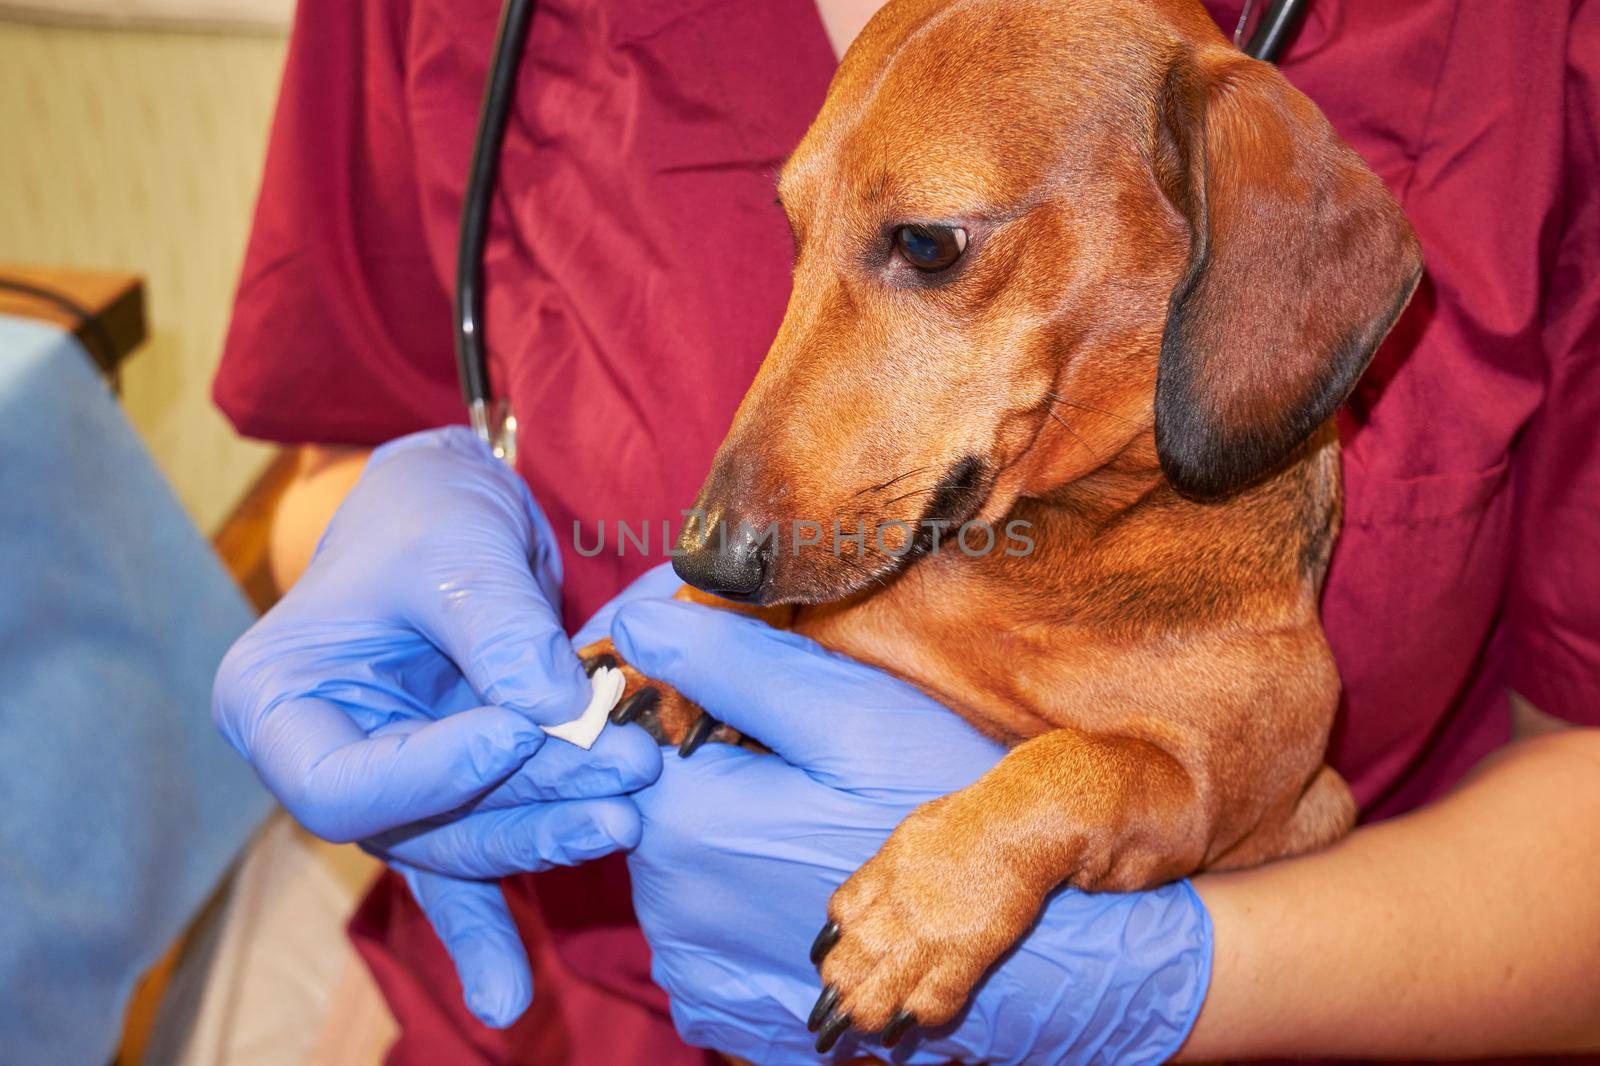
[(394, 697), (740, 853)]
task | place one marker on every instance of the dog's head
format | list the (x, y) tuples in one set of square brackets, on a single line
[(1036, 238)]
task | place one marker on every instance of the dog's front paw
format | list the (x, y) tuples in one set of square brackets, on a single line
[(663, 711), (913, 930)]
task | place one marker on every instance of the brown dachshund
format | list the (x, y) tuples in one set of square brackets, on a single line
[(1082, 265)]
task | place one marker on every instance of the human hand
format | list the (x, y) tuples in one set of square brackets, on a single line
[(741, 852), (394, 697)]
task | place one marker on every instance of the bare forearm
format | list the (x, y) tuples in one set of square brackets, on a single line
[(1471, 927), (325, 477)]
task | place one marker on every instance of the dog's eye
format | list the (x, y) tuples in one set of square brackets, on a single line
[(930, 248)]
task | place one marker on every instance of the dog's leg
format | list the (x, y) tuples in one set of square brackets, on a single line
[(666, 714), (958, 882)]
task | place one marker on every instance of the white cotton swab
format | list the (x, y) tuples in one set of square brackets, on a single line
[(606, 689)]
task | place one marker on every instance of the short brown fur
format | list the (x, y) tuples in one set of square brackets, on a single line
[(1176, 270)]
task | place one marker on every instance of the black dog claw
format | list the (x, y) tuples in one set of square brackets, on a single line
[(697, 735), (592, 666), (831, 1031), (635, 705), (825, 1004), (902, 1020), (824, 943)]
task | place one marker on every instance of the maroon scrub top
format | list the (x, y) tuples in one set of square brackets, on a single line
[(638, 267)]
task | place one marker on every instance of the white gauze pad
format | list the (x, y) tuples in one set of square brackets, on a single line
[(606, 689)]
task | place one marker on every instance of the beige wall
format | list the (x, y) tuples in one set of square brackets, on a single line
[(142, 151), (271, 15)]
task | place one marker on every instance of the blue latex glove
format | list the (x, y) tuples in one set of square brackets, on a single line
[(741, 852), (394, 697)]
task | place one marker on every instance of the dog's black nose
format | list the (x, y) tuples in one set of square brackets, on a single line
[(726, 557)]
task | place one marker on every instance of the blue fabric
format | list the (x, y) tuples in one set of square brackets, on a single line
[(120, 806)]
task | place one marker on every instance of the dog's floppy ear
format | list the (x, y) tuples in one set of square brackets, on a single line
[(1299, 263)]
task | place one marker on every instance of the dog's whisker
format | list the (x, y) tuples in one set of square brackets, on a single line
[(1058, 398), (1082, 443), (897, 478), (913, 492)]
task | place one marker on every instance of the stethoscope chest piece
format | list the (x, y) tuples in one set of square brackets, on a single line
[(496, 426)]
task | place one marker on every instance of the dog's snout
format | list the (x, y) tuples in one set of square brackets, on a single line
[(727, 557)]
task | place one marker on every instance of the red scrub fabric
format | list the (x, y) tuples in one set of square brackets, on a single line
[(638, 268)]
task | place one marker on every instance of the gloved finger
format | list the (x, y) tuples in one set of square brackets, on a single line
[(742, 672), (490, 844), (343, 785), (492, 619), (475, 925), (621, 761), (815, 708), (657, 583)]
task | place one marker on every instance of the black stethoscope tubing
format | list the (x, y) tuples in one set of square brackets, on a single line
[(1271, 35), (472, 353)]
